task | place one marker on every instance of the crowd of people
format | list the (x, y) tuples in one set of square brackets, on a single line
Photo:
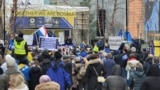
[(79, 68)]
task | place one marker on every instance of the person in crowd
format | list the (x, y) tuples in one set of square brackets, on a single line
[(152, 80), (47, 84), (136, 77), (68, 65), (123, 61), (116, 81), (131, 63), (57, 72), (20, 50), (2, 49), (134, 50), (11, 69), (148, 63), (143, 55), (93, 72), (68, 41), (108, 64), (82, 44), (73, 74), (3, 65), (106, 48), (11, 42), (17, 82), (35, 73), (80, 73), (30, 55), (95, 48), (45, 63), (100, 44), (25, 69), (156, 60)]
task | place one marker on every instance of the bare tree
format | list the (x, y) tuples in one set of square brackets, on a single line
[(113, 17), (13, 17)]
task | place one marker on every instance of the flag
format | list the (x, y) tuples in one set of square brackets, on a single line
[(120, 33), (42, 31), (152, 23), (128, 36)]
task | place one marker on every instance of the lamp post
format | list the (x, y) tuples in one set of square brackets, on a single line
[(4, 20), (127, 19)]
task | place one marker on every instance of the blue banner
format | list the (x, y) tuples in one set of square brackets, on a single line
[(37, 22)]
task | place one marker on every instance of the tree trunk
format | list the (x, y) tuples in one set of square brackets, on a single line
[(13, 17), (112, 19), (1, 15)]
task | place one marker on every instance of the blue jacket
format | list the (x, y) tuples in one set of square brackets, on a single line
[(25, 70), (108, 65), (11, 44), (58, 74)]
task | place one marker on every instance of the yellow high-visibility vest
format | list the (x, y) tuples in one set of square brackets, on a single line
[(19, 48), (96, 48)]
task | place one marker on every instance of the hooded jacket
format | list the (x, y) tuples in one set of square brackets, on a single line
[(131, 64), (116, 82), (35, 73), (58, 74), (151, 82), (137, 76)]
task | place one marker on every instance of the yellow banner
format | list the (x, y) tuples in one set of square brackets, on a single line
[(32, 13), (68, 15), (156, 48)]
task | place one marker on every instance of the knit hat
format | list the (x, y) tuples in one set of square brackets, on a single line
[(44, 78), (83, 54), (10, 61)]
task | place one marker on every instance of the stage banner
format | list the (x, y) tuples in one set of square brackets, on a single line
[(51, 19)]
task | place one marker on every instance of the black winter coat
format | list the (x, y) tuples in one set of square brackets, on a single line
[(151, 83), (116, 82), (93, 84)]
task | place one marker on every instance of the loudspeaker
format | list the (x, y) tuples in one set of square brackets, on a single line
[(101, 16)]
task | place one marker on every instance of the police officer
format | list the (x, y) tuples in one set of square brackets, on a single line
[(20, 50)]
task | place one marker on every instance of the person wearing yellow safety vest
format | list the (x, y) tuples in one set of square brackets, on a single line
[(20, 50), (95, 48)]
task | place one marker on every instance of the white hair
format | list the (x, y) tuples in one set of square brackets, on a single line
[(10, 61)]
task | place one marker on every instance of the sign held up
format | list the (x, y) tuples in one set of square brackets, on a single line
[(114, 42), (49, 43)]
